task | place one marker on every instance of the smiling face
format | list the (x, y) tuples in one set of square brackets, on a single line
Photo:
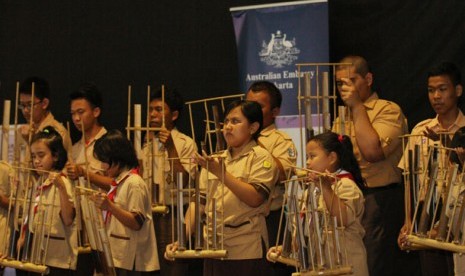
[(42, 157), (237, 130), (443, 95)]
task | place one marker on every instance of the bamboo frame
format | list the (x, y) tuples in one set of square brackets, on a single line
[(315, 92), (320, 241), (440, 184)]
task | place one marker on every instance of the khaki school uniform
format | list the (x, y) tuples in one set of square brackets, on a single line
[(244, 226), (347, 190), (62, 247), (50, 121), (83, 151), (281, 147), (161, 165), (133, 249)]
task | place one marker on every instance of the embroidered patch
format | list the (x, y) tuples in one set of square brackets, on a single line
[(291, 152), (266, 164)]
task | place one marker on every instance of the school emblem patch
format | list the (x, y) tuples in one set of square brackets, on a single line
[(266, 164), (291, 152)]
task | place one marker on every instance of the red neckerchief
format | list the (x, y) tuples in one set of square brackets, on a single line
[(114, 187), (345, 174)]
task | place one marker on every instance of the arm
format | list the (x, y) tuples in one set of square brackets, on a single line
[(244, 191), (76, 171), (127, 218), (66, 206), (366, 136), (167, 140), (4, 201), (190, 217), (336, 206)]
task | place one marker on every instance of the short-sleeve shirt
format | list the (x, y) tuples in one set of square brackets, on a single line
[(130, 248), (63, 247), (419, 139), (82, 147), (244, 226), (347, 190), (390, 123), (185, 147), (281, 147), (49, 120)]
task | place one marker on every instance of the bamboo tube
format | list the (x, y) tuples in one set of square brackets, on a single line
[(6, 130)]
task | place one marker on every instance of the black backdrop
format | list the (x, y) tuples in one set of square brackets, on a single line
[(190, 45)]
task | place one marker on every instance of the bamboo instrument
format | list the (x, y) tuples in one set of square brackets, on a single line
[(317, 241), (94, 224), (443, 220), (220, 144)]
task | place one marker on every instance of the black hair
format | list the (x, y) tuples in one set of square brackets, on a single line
[(54, 142), (89, 92), (173, 99), (114, 148), (251, 110), (269, 88), (41, 88), (361, 64), (458, 141), (342, 146), (448, 69)]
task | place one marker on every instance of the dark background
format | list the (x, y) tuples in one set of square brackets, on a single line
[(190, 45)]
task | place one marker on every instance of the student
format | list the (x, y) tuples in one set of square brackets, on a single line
[(330, 152), (444, 93), (53, 195), (126, 207), (247, 174), (171, 151), (41, 115), (86, 108)]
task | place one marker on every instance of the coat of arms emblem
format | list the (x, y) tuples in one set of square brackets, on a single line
[(279, 51)]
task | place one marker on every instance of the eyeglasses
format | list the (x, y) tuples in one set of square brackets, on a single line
[(27, 106)]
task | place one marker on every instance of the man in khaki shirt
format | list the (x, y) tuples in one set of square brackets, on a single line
[(374, 127)]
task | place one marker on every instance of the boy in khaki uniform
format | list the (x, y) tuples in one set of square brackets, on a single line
[(444, 92), (86, 108), (171, 151), (42, 115)]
